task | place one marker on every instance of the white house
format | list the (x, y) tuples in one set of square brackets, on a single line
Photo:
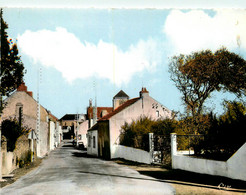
[(107, 129)]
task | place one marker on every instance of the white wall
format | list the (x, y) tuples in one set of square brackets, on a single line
[(83, 128), (52, 135), (234, 168), (146, 106), (237, 164), (8, 162), (58, 134), (92, 147), (132, 154), (197, 165)]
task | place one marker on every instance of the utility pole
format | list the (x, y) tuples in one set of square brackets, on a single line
[(77, 131), (95, 107), (1, 98), (38, 115)]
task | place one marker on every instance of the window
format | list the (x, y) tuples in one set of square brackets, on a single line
[(19, 112), (94, 142), (89, 141), (157, 113)]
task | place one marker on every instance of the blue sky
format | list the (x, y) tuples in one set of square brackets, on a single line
[(88, 52)]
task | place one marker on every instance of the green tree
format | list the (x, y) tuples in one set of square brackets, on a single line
[(199, 74), (12, 68), (11, 130), (136, 133), (226, 133)]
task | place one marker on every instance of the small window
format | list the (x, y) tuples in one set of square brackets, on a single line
[(157, 113), (19, 112), (89, 141), (94, 142)]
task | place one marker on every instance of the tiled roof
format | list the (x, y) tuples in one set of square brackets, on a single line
[(119, 109), (121, 94), (54, 117), (69, 117), (99, 111)]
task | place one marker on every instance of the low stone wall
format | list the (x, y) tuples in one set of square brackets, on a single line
[(131, 154), (233, 168)]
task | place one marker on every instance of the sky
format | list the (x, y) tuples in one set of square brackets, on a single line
[(72, 55)]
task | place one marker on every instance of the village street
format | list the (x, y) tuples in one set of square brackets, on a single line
[(69, 171)]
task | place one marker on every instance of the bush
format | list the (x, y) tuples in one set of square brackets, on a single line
[(136, 134), (226, 133), (25, 159), (11, 130)]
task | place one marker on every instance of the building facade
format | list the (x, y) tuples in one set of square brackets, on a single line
[(23, 107), (107, 129)]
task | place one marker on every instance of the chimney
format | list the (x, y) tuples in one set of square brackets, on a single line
[(23, 87), (143, 92), (90, 103), (29, 93)]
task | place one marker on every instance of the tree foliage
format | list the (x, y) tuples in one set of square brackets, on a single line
[(12, 130), (136, 134), (12, 69), (226, 134), (199, 74)]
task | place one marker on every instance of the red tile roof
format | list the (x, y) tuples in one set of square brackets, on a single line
[(99, 111), (119, 109), (56, 119)]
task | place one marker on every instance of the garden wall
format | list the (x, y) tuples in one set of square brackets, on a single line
[(233, 168), (132, 154), (10, 160)]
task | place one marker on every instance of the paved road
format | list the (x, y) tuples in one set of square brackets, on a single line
[(70, 171)]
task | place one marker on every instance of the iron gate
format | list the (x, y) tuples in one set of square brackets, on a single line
[(161, 149)]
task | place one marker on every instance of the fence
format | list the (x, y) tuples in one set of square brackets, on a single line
[(160, 149), (187, 144)]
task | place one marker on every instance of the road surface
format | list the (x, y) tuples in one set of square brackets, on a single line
[(71, 171)]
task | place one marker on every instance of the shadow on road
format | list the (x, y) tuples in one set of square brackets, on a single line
[(82, 154), (67, 146), (198, 180), (169, 181)]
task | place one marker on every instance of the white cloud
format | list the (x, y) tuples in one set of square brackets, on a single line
[(196, 30), (75, 59)]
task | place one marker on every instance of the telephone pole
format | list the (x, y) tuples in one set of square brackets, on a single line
[(38, 114), (1, 105)]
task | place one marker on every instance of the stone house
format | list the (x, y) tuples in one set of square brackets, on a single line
[(23, 107), (104, 135)]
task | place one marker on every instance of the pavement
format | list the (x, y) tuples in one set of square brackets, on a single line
[(70, 171)]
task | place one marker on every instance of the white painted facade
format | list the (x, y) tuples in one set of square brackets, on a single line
[(131, 154), (233, 168), (92, 137), (82, 132), (58, 134), (52, 135), (145, 106)]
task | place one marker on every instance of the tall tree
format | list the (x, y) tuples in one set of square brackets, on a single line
[(199, 74), (12, 68)]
